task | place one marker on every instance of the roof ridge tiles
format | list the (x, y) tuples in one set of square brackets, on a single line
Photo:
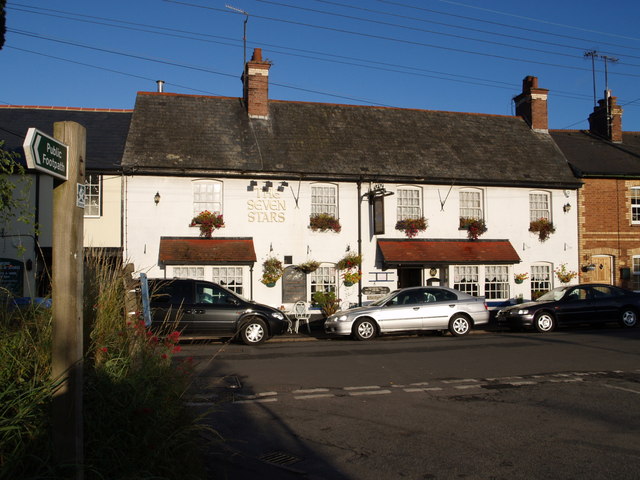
[(77, 109)]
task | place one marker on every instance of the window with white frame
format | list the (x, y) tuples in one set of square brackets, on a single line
[(324, 199), (93, 195), (635, 205), (409, 204), (229, 277), (635, 280), (207, 195), (465, 279), (496, 282), (189, 272), (540, 279), (323, 280), (539, 206), (471, 204)]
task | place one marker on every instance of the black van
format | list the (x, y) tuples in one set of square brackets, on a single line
[(206, 309)]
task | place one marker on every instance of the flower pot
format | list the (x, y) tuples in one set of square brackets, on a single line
[(519, 281), (347, 283), (270, 284)]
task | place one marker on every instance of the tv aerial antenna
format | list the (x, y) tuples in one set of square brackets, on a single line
[(244, 33)]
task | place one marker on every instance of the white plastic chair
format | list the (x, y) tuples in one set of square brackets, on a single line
[(301, 315)]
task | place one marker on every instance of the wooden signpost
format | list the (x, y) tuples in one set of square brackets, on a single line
[(63, 158)]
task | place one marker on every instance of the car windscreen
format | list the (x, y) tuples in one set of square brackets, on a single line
[(553, 295)]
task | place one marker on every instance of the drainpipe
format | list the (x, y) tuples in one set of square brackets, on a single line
[(360, 238)]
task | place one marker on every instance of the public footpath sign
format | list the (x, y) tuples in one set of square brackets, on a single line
[(46, 154)]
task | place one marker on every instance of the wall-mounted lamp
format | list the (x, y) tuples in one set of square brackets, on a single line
[(566, 207), (156, 198), (282, 185)]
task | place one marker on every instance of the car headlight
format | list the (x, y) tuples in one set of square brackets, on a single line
[(343, 318), (523, 312), (277, 315)]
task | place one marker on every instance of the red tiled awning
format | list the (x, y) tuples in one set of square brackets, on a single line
[(206, 251), (419, 252)]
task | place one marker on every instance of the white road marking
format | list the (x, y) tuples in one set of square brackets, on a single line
[(423, 389), (621, 388), (257, 400), (318, 395), (370, 387), (466, 387), (310, 390), (462, 380), (370, 392)]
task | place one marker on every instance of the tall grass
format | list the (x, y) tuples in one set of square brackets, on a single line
[(136, 423), (25, 392)]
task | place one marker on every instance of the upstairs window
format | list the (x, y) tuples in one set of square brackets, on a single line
[(93, 195), (471, 204), (324, 199), (409, 203), (635, 205), (539, 206), (207, 195)]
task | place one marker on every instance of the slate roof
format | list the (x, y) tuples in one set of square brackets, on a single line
[(593, 156), (191, 135), (106, 130), (421, 251)]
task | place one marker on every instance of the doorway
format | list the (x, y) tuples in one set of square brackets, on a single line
[(409, 277), (603, 269)]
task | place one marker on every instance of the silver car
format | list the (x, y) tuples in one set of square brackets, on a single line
[(412, 309)]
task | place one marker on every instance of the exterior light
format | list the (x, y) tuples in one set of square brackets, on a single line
[(566, 207), (156, 198)]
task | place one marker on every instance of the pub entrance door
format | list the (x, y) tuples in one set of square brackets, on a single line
[(409, 277)]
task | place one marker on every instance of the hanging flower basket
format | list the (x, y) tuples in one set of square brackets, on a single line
[(520, 277), (349, 261), (309, 266), (411, 226), (208, 222), (351, 277), (272, 270), (474, 227), (543, 227), (323, 222), (564, 275)]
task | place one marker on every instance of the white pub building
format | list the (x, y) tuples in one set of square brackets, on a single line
[(482, 203)]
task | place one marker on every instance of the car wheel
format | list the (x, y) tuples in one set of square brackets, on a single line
[(364, 329), (544, 322), (459, 325), (628, 318), (253, 332)]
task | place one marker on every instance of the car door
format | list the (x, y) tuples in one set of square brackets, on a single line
[(213, 312), (167, 299), (438, 307), (401, 313), (577, 306), (607, 301)]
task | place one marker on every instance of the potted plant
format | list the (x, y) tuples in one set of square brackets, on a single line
[(327, 302), (349, 261), (564, 275), (520, 277), (208, 222), (543, 227), (351, 277), (272, 270), (411, 226), (324, 222), (308, 267), (474, 227)]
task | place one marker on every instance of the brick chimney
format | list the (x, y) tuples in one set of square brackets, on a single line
[(610, 128), (531, 105), (256, 85)]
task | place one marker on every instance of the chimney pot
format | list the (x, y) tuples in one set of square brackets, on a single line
[(160, 84), (606, 119)]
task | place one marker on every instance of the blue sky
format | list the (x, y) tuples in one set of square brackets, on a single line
[(465, 56)]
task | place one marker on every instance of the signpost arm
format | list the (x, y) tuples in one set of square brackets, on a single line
[(67, 294)]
